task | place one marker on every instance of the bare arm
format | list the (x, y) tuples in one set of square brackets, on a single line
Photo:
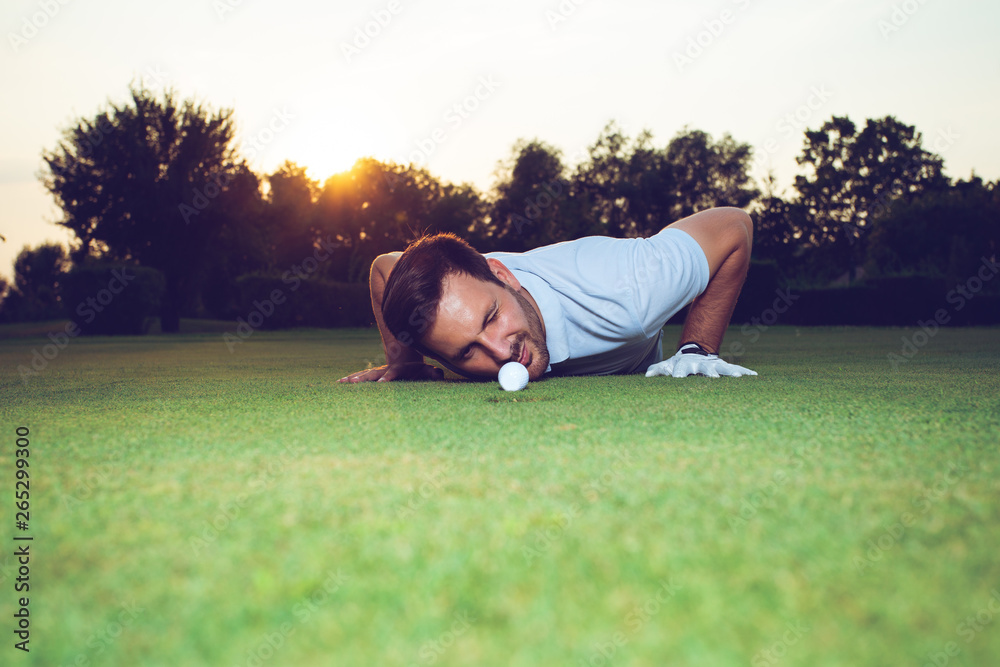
[(402, 361), (726, 236)]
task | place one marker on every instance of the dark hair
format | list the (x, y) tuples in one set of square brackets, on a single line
[(412, 292)]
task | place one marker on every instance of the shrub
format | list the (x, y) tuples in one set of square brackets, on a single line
[(113, 299), (304, 303)]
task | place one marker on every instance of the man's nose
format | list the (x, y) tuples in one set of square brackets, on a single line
[(499, 348)]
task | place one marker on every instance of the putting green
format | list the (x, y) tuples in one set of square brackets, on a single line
[(196, 506)]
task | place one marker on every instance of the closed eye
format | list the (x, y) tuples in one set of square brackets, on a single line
[(466, 352)]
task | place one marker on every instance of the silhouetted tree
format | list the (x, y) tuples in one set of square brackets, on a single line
[(852, 176), (708, 173), (379, 207), (634, 189), (460, 210), (4, 291), (648, 192), (602, 182), (240, 244), (778, 227), (290, 215), (141, 182), (940, 234), (38, 277), (531, 206)]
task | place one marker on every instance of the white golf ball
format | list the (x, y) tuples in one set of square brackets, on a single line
[(513, 376)]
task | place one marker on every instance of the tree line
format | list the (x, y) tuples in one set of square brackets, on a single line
[(158, 182)]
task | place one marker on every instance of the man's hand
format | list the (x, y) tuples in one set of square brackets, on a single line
[(416, 370), (692, 360)]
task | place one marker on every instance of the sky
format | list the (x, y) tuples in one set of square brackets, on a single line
[(451, 86)]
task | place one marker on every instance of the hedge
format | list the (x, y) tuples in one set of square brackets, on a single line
[(892, 301), (113, 299), (281, 304), (897, 301)]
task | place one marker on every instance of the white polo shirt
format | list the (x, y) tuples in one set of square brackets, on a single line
[(604, 301)]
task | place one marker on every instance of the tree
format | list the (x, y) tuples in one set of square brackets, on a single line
[(290, 215), (240, 244), (531, 204), (461, 211), (778, 227), (940, 234), (853, 175), (603, 181), (37, 290), (648, 190), (378, 207), (708, 173), (140, 182), (4, 291), (635, 189)]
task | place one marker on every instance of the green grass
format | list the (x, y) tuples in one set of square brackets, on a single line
[(247, 509)]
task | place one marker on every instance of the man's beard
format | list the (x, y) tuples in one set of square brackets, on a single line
[(535, 335)]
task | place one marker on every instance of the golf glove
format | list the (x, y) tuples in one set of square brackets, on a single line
[(692, 360)]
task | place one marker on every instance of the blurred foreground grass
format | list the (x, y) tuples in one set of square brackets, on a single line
[(196, 506)]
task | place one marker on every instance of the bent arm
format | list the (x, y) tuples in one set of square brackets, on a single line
[(395, 352), (726, 237), (402, 361)]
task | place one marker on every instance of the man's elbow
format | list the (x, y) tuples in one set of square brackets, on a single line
[(743, 224), (383, 264)]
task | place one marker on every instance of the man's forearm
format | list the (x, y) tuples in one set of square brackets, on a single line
[(710, 312), (726, 237)]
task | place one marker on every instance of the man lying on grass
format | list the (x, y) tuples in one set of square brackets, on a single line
[(593, 306)]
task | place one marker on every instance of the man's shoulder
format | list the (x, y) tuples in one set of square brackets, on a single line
[(560, 248), (591, 264)]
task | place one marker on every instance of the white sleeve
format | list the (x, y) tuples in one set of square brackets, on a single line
[(669, 270)]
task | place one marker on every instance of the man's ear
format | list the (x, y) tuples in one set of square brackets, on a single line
[(503, 274)]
